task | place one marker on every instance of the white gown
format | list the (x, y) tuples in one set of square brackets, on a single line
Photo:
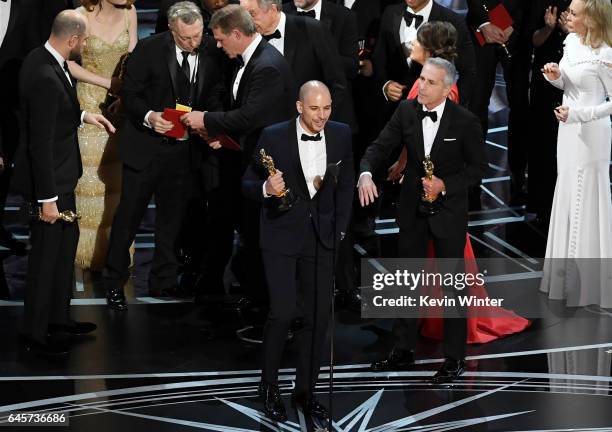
[(579, 249)]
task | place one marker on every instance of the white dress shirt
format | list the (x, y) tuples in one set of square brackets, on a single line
[(5, 13), (313, 158), (192, 59), (349, 3), (430, 128), (316, 8), (60, 59), (279, 44), (246, 56)]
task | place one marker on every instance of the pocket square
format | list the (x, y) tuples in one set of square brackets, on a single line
[(450, 139)]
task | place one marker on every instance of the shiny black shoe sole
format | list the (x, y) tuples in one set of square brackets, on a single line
[(447, 378)]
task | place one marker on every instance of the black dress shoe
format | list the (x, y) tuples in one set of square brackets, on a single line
[(309, 406), (273, 404), (41, 349), (398, 359), (449, 371), (74, 328), (115, 299)]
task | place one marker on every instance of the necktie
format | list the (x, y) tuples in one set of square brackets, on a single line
[(275, 35), (310, 13), (421, 114), (70, 77), (185, 64), (408, 17), (316, 137)]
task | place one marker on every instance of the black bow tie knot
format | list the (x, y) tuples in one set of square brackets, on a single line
[(275, 35), (240, 61), (418, 19), (310, 13), (316, 137), (431, 114)]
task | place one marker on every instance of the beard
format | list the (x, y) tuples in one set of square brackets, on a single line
[(75, 55)]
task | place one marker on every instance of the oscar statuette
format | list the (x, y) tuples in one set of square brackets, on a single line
[(430, 204), (285, 199)]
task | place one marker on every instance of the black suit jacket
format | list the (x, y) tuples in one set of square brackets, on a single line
[(284, 232), (266, 95), (458, 155), (342, 24), (368, 14), (390, 61), (48, 161), (312, 55), (151, 84), (476, 15), (22, 35)]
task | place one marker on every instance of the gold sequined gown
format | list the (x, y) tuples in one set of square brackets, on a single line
[(99, 188)]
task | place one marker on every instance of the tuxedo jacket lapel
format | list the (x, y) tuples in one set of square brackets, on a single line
[(295, 159), (326, 20), (172, 63), (419, 142), (248, 69), (62, 77), (397, 20), (13, 18), (442, 129), (201, 71), (291, 36)]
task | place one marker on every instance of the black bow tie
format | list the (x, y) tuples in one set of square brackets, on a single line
[(408, 17), (310, 13), (316, 137), (240, 61), (421, 114), (275, 35)]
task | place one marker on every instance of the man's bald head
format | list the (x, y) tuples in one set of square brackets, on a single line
[(68, 23), (313, 87), (314, 106)]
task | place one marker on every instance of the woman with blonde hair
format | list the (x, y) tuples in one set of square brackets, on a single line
[(579, 245), (112, 26)]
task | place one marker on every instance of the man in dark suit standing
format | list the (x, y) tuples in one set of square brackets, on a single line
[(451, 136), (307, 46), (19, 33), (515, 61), (178, 67), (47, 168), (394, 71), (342, 24), (313, 158), (262, 93)]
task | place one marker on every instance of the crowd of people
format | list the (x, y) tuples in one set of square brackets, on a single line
[(290, 117)]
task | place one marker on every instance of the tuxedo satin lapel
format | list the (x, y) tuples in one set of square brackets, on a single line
[(434, 15), (62, 77), (13, 18), (248, 69), (295, 158), (201, 72), (397, 20), (418, 132), (171, 62), (291, 36), (442, 129), (326, 19)]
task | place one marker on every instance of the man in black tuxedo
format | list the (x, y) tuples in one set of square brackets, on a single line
[(179, 66), (19, 33), (307, 46), (342, 24), (262, 93), (47, 168), (313, 159), (451, 136), (516, 75), (395, 74)]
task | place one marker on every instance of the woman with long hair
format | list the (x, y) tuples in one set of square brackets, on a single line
[(579, 248)]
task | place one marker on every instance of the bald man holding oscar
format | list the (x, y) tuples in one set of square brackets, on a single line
[(313, 159)]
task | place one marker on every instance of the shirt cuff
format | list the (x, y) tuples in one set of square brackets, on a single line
[(483, 24), (383, 90), (263, 188), (146, 120), (362, 174), (48, 199), (82, 121)]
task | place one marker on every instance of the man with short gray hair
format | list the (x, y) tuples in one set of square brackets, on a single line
[(178, 69), (433, 129)]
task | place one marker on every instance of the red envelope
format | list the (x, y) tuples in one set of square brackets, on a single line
[(173, 115), (498, 16)]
